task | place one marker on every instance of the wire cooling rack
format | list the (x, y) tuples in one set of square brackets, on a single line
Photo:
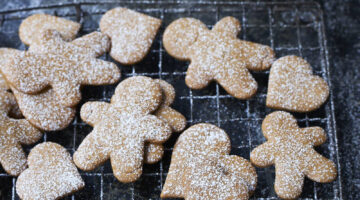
[(288, 27)]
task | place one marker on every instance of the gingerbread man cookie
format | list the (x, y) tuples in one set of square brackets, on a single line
[(30, 30), (13, 133), (217, 54), (293, 87), (131, 34), (122, 127), (63, 66), (51, 174), (177, 122), (201, 167), (290, 149)]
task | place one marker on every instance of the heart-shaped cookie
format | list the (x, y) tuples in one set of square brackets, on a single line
[(51, 174), (293, 87)]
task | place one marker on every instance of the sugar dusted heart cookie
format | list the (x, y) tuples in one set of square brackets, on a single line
[(51, 174), (63, 66), (291, 150), (122, 128), (217, 55), (131, 34), (293, 87), (30, 30), (201, 167)]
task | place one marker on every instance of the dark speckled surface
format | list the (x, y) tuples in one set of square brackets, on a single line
[(342, 28)]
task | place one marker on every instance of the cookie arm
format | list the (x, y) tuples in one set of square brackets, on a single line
[(153, 129), (176, 120), (26, 133), (236, 80), (320, 169), (13, 159), (153, 153), (92, 112), (316, 135), (68, 92), (227, 26), (95, 41), (262, 156), (99, 72)]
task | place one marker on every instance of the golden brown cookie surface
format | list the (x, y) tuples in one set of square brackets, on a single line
[(63, 66), (217, 54), (201, 167), (51, 174), (290, 149), (131, 34), (293, 87), (122, 127), (31, 28)]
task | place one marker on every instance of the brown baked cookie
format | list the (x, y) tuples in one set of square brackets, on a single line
[(30, 30), (131, 33), (13, 133), (177, 122), (293, 87), (217, 54), (290, 149), (201, 167), (64, 66), (43, 110), (51, 174), (122, 127)]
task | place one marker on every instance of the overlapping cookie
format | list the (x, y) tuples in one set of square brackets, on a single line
[(201, 167), (124, 126), (51, 174), (30, 30), (290, 149), (293, 87), (217, 54), (13, 132), (131, 33), (63, 66)]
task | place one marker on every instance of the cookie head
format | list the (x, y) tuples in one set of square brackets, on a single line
[(217, 55), (131, 33), (51, 174), (202, 169), (293, 87), (31, 29), (290, 149)]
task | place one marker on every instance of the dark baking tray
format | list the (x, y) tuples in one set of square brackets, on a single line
[(288, 27)]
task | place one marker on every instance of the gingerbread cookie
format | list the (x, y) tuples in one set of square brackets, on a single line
[(30, 30), (217, 54), (177, 122), (290, 149), (43, 110), (201, 167), (63, 66), (122, 127), (131, 34), (51, 174), (13, 133), (293, 87)]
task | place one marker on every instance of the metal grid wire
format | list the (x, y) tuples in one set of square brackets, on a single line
[(288, 27)]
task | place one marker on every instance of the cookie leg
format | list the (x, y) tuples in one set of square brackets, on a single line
[(237, 80), (126, 161), (26, 133), (153, 153), (288, 180), (68, 92), (13, 159), (90, 154), (320, 169)]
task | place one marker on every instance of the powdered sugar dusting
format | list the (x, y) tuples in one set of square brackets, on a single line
[(290, 149), (51, 174), (293, 87), (202, 169), (217, 55), (131, 34), (122, 127)]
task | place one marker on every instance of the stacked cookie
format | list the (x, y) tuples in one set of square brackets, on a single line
[(130, 130)]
